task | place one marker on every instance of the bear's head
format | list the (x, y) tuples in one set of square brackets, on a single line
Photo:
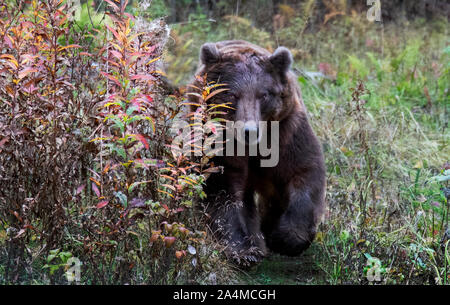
[(258, 82)]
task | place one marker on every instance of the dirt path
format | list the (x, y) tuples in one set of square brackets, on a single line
[(283, 270)]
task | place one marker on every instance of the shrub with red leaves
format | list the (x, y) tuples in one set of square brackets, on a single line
[(85, 161)]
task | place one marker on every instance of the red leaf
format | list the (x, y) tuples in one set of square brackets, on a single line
[(142, 77), (3, 141), (149, 98), (169, 240), (142, 139), (112, 4), (112, 78), (116, 54), (8, 41), (114, 32), (26, 71), (102, 204), (95, 189)]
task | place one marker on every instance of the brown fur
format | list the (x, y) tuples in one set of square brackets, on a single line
[(290, 196)]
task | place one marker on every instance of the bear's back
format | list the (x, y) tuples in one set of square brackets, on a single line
[(234, 48)]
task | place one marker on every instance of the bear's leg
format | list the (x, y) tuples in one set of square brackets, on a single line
[(235, 220), (291, 230), (237, 226)]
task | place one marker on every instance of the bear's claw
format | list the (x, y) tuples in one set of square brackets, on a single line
[(246, 257)]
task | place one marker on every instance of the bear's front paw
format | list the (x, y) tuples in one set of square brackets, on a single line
[(245, 257)]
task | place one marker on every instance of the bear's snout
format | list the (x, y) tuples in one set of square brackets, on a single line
[(251, 133)]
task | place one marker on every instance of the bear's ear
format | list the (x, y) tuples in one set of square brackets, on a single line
[(281, 60), (209, 54)]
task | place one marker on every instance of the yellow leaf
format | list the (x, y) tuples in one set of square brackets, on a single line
[(12, 60), (419, 164), (164, 192), (319, 236), (158, 72), (153, 60), (360, 241)]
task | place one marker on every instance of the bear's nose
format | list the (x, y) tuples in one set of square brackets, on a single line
[(251, 134)]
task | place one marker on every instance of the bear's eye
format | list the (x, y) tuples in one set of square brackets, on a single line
[(265, 95), (230, 98), (233, 97)]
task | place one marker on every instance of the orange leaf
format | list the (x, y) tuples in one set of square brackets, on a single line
[(179, 254), (69, 47), (164, 192), (105, 170), (93, 180), (168, 177), (214, 93)]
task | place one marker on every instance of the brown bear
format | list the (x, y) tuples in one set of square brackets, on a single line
[(255, 208)]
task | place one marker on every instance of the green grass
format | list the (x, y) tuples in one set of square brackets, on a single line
[(281, 270)]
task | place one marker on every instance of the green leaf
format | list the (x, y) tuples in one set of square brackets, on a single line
[(302, 80), (187, 203), (345, 235), (65, 256), (120, 151), (122, 198), (442, 178), (131, 109), (134, 184), (117, 122), (50, 257), (54, 251)]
